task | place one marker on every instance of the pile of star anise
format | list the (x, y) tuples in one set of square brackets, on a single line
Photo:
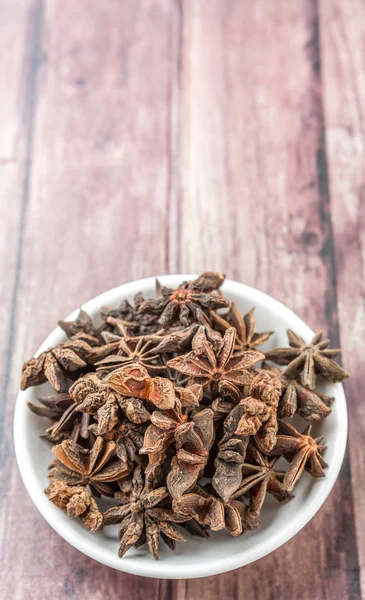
[(169, 409)]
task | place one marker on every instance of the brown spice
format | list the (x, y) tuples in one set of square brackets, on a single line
[(165, 409)]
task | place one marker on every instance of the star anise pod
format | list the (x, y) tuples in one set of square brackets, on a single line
[(82, 324), (231, 453), (72, 424), (179, 340), (94, 398), (222, 406), (312, 405), (246, 338), (209, 510), (61, 409), (57, 363), (126, 320), (301, 450), (308, 360), (217, 367), (77, 502), (134, 381), (141, 516), (97, 467), (193, 442), (166, 424), (129, 442), (198, 445), (261, 478), (131, 351), (128, 438), (192, 300), (259, 417), (51, 407)]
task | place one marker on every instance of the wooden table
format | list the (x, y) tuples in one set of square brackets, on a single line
[(154, 136)]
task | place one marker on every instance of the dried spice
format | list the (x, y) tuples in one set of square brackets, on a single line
[(131, 351), (311, 405), (97, 467), (259, 418), (210, 511), (57, 363), (141, 516), (77, 502), (246, 338), (166, 409), (206, 365), (82, 324), (191, 301), (166, 425), (261, 478), (308, 360), (135, 381), (301, 450), (193, 443)]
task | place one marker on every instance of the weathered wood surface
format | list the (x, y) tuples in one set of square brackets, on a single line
[(163, 136)]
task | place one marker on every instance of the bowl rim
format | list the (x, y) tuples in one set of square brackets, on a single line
[(161, 569)]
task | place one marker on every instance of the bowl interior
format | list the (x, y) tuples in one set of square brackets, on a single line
[(196, 557)]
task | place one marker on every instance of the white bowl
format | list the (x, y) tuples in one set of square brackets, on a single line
[(197, 557)]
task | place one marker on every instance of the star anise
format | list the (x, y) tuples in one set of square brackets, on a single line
[(259, 417), (166, 424), (193, 442), (209, 510), (134, 381), (207, 365), (312, 405), (126, 320), (222, 406), (68, 423), (231, 453), (57, 363), (92, 397), (129, 442), (308, 360), (301, 450), (261, 478), (82, 324), (181, 339), (96, 398), (128, 438), (192, 300), (131, 351), (72, 424), (140, 516), (51, 407), (167, 409), (97, 467), (246, 338), (77, 502)]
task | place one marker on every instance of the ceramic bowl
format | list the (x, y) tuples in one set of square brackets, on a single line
[(197, 557)]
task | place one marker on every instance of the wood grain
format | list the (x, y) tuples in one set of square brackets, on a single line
[(98, 110), (177, 135), (255, 204), (343, 39)]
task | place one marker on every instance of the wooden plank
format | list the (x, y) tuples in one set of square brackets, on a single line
[(343, 39), (255, 205), (97, 215), (16, 77)]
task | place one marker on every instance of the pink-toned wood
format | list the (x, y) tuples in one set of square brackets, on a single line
[(343, 45), (255, 204), (98, 196), (15, 42), (152, 136)]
